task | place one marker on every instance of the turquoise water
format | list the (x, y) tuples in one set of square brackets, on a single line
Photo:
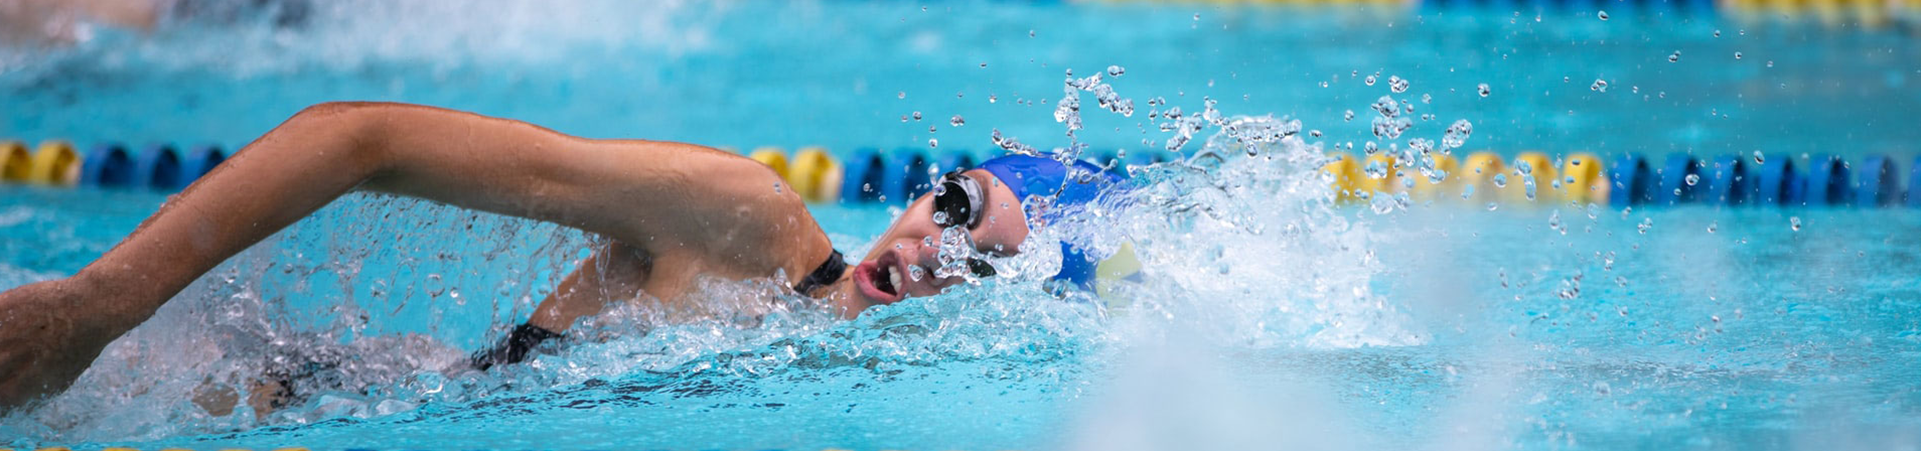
[(1269, 317)]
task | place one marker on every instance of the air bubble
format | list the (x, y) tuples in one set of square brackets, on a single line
[(1713, 225), (1675, 58), (1737, 55), (1599, 86), (1492, 206), (1396, 84), (1794, 223), (1484, 90), (933, 143), (957, 121), (1349, 116), (1603, 15), (1116, 71), (1693, 179), (917, 115), (1500, 180), (901, 95), (1758, 159), (1369, 80)]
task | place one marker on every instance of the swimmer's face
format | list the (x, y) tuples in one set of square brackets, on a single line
[(911, 246)]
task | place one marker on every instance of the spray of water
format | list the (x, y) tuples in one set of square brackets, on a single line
[(363, 313)]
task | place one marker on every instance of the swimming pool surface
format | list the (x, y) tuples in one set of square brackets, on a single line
[(1270, 316)]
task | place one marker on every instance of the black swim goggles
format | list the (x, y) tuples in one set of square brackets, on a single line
[(959, 202)]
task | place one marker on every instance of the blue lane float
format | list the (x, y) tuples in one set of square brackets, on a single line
[(1728, 182), (1876, 184), (904, 176), (1630, 176), (1914, 183), (1827, 182), (199, 161), (157, 167), (107, 165), (1775, 179), (863, 171), (1675, 187)]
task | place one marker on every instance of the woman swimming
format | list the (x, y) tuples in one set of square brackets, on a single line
[(671, 212)]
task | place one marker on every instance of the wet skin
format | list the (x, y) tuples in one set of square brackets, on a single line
[(672, 214), (912, 246)]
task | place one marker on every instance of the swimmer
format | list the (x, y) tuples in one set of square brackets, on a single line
[(670, 212)]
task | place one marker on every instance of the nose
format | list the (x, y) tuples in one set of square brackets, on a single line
[(926, 255)]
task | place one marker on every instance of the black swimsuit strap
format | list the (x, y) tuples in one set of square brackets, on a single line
[(828, 272)]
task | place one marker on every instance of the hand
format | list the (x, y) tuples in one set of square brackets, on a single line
[(49, 333)]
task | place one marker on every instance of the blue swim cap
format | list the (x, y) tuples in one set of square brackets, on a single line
[(1044, 177)]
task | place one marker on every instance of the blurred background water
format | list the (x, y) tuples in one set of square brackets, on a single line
[(1270, 317)]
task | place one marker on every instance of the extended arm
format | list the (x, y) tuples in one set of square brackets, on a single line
[(50, 331)]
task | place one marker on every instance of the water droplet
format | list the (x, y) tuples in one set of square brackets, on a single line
[(1484, 90), (1599, 86), (1603, 15), (1693, 179), (1456, 135), (1675, 58), (1794, 223), (1396, 84), (957, 121), (1500, 180), (1116, 71), (1369, 80), (933, 143), (776, 187)]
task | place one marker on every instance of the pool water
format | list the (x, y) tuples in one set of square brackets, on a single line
[(1269, 316)]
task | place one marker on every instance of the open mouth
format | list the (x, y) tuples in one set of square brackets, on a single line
[(881, 279)]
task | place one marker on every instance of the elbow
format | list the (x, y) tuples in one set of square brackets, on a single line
[(351, 131)]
